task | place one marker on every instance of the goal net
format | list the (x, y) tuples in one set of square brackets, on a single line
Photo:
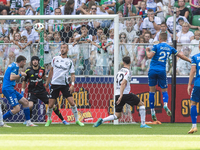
[(95, 50)]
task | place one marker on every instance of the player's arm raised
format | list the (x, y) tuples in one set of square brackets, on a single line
[(149, 54), (49, 77), (16, 77), (122, 87), (183, 57)]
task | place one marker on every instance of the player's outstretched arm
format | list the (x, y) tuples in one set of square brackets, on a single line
[(16, 77), (192, 73), (71, 89), (49, 77), (183, 57)]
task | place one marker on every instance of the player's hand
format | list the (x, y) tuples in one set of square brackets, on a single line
[(119, 100), (189, 89), (129, 6), (23, 74), (46, 85), (151, 19), (148, 49), (71, 89)]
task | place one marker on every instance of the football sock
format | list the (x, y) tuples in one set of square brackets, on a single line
[(194, 125), (1, 116), (193, 114), (165, 97), (27, 113), (151, 99), (109, 118), (58, 113), (7, 115), (49, 113), (165, 104), (75, 112), (142, 112), (153, 111)]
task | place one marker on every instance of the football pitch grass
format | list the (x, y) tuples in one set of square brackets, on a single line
[(106, 136)]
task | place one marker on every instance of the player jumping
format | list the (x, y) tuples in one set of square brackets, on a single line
[(61, 67), (11, 94), (36, 90), (157, 72), (123, 96), (195, 96)]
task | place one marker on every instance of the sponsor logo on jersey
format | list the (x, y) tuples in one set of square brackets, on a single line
[(32, 75)]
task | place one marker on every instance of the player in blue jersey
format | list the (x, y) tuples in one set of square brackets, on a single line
[(157, 72), (11, 94), (195, 96)]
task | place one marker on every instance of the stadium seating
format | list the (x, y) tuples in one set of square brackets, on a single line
[(196, 20)]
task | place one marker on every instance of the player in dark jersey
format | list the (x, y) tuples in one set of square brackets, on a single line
[(36, 90)]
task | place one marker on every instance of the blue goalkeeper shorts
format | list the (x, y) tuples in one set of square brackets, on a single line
[(195, 96)]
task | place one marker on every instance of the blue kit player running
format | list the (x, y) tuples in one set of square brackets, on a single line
[(195, 96), (11, 94), (157, 72)]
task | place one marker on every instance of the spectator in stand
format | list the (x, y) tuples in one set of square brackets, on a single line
[(48, 10), (170, 21), (16, 47), (84, 50), (96, 2), (130, 32), (185, 36), (76, 24), (128, 9), (30, 33), (184, 11), (4, 12), (108, 5), (143, 10), (3, 29), (66, 32), (55, 25), (183, 67), (98, 36), (14, 28), (5, 48), (151, 23), (91, 31), (163, 29), (102, 64), (21, 23), (121, 22), (94, 23), (68, 9), (167, 7), (55, 47), (151, 5), (74, 52), (194, 47), (195, 6), (111, 48), (5, 4), (159, 11), (30, 10), (55, 4)]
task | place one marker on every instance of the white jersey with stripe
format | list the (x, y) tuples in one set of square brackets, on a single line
[(61, 69), (124, 73)]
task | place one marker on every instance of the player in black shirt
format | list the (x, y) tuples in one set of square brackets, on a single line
[(36, 90)]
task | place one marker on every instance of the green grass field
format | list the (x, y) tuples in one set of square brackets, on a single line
[(106, 136)]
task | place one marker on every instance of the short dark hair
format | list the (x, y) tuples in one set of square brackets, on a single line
[(127, 60), (20, 58), (163, 23), (150, 10)]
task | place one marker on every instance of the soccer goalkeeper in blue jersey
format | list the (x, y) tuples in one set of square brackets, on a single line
[(11, 94), (157, 72)]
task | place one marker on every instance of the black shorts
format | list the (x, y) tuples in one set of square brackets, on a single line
[(44, 97), (130, 99), (56, 89)]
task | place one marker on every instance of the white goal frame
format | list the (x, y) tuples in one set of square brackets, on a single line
[(57, 17)]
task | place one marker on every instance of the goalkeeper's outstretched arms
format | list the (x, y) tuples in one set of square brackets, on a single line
[(49, 78)]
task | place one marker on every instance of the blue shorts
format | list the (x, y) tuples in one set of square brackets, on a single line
[(13, 96), (157, 77), (195, 96)]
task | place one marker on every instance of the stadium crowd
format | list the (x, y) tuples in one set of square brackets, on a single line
[(91, 42)]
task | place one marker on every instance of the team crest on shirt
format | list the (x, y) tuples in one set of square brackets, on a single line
[(67, 63), (40, 73)]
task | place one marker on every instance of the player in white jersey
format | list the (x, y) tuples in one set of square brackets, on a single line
[(124, 96), (61, 67)]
